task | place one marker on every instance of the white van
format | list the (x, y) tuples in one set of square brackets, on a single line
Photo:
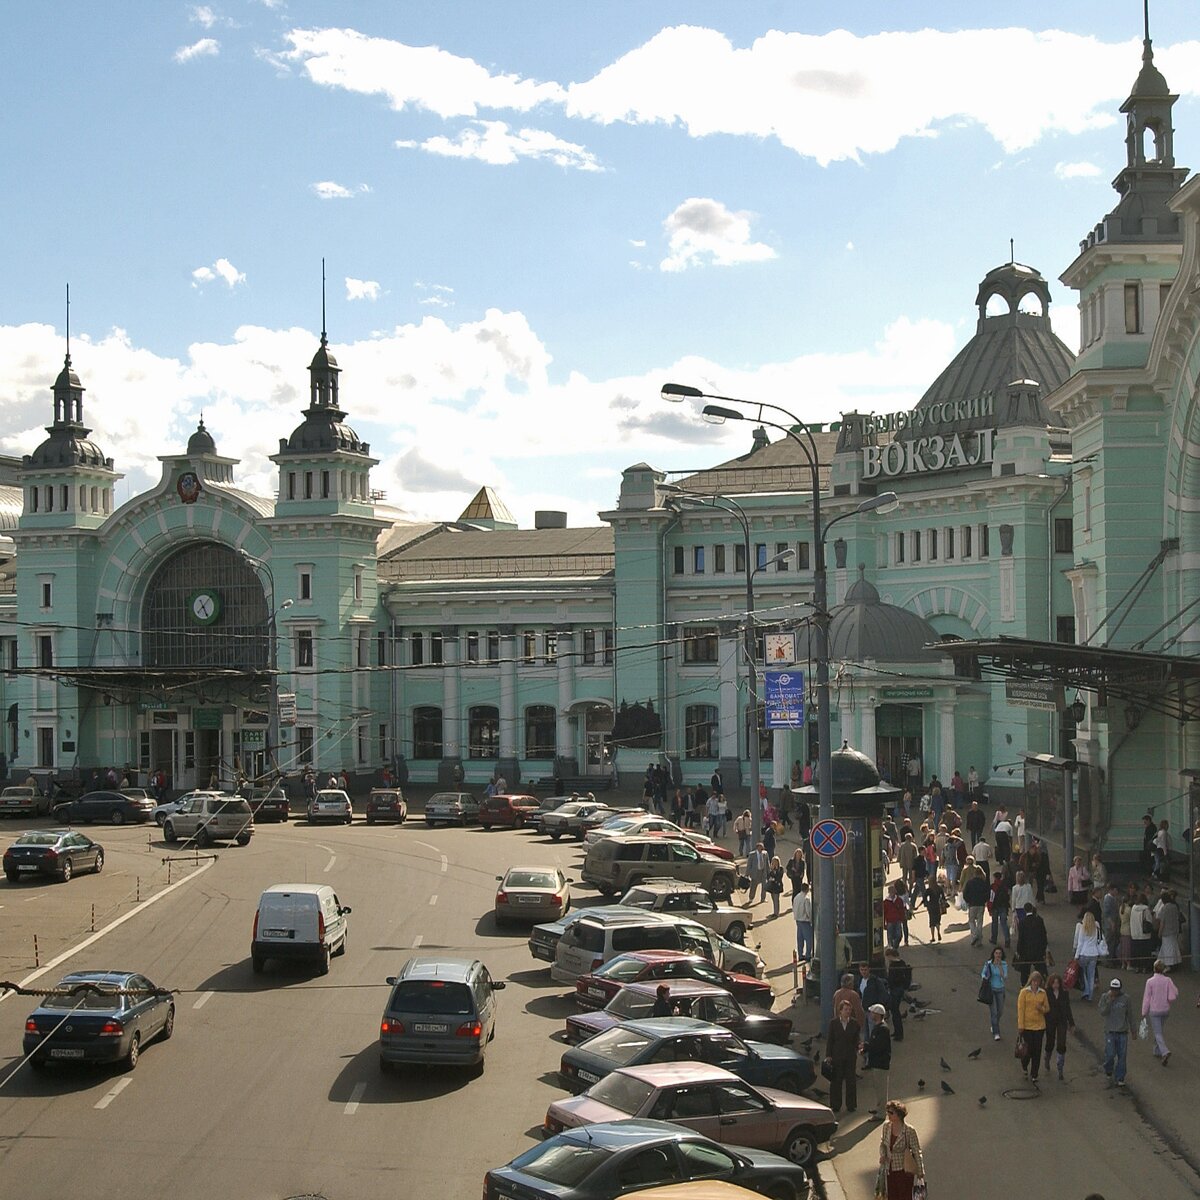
[(298, 921)]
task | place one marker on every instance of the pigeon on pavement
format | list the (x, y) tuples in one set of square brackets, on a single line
[(945, 1065), (975, 1053), (982, 1101), (949, 1091), (921, 1083)]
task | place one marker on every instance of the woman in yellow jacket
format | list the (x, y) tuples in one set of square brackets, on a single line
[(1032, 1007)]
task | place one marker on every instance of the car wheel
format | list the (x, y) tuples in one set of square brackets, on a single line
[(117, 817), (257, 963), (554, 837), (135, 1052), (722, 887), (67, 870), (341, 947), (350, 819), (169, 1024), (736, 933), (161, 819), (99, 861), (169, 834), (788, 1083), (12, 876), (203, 837), (800, 1147), (323, 962), (243, 839)]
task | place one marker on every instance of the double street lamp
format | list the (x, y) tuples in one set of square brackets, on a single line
[(676, 393)]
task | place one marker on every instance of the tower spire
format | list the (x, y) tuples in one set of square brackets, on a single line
[(68, 325), (324, 341)]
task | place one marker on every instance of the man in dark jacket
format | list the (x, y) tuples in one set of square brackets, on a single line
[(975, 892), (877, 1048), (871, 988), (1032, 944), (841, 1053), (975, 820)]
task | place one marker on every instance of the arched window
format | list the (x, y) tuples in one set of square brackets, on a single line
[(700, 731), (540, 731), (483, 731), (427, 732)]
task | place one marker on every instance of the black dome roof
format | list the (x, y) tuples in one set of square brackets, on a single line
[(201, 442), (852, 770), (322, 431), (68, 447)]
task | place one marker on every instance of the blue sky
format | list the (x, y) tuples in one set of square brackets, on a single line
[(534, 213)]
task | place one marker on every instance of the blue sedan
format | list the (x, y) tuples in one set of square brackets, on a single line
[(682, 1039), (98, 1024)]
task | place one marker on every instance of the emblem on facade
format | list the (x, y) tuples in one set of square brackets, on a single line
[(188, 487)]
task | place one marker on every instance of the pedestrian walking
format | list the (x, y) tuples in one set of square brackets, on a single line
[(1087, 949), (756, 868), (901, 1164), (1032, 944), (769, 838), (1058, 1022), (842, 1041), (898, 976), (998, 902), (774, 884), (1141, 930), (743, 827), (906, 856), (975, 892), (795, 869), (877, 1050), (871, 988), (1079, 881), (893, 917), (935, 905), (995, 971), (1158, 995), (1032, 1007), (802, 913), (1170, 925), (849, 992), (1125, 939), (1117, 1012), (1162, 852), (975, 821), (1110, 922)]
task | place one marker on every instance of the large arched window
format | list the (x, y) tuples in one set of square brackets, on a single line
[(206, 607), (483, 731), (540, 731), (427, 732)]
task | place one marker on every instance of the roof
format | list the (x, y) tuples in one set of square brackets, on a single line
[(779, 466), (201, 442), (677, 987), (437, 966), (666, 1074), (12, 503), (487, 506), (299, 889)]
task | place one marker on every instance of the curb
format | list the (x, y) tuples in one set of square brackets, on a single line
[(829, 1187)]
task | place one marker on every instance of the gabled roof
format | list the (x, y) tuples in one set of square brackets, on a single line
[(779, 466)]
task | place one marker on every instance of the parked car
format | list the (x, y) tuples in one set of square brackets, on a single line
[(682, 1039), (693, 998), (298, 921), (268, 804), (210, 818), (167, 808), (116, 808), (707, 1099), (532, 894), (598, 987), (632, 823), (332, 805), (507, 811), (547, 804), (451, 808), (441, 1011), (99, 1026), (386, 804), (544, 939), (23, 802), (616, 1158), (689, 900), (617, 863), (594, 940), (56, 852), (567, 820)]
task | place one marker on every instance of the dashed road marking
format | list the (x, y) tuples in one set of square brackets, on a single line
[(445, 864), (427, 846), (332, 860), (355, 1096), (417, 942), (433, 900), (203, 999), (114, 1091)]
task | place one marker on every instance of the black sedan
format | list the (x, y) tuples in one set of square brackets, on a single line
[(98, 1024), (613, 1158), (114, 807), (58, 852), (268, 804), (386, 804)]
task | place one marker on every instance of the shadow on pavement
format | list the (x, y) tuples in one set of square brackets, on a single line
[(556, 1007), (397, 1085), (239, 977), (534, 978), (58, 1079)]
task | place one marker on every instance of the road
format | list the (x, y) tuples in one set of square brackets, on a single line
[(270, 1086)]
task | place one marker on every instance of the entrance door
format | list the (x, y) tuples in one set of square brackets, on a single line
[(898, 730), (208, 757), (598, 741), (164, 753)]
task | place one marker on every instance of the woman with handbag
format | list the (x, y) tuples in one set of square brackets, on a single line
[(994, 977), (1032, 1007), (774, 884), (1088, 949), (901, 1165), (1058, 1021)]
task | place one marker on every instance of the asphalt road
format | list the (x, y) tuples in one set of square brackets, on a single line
[(271, 1086)]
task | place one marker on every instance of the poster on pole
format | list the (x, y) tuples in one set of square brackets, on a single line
[(784, 708)]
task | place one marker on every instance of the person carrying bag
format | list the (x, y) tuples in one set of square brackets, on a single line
[(901, 1164)]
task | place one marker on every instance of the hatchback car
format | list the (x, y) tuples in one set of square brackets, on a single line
[(115, 808), (682, 1039), (441, 1012), (269, 804), (98, 1024), (693, 999), (451, 808), (507, 812), (710, 1100), (386, 804), (168, 808), (598, 987), (621, 1157), (532, 894), (332, 805), (56, 852), (544, 939)]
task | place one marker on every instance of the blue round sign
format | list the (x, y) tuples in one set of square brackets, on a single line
[(828, 838)]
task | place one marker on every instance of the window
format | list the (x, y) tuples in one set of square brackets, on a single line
[(427, 732), (1087, 506), (493, 647), (472, 646), (609, 640), (416, 649), (984, 546), (899, 548), (358, 585), (697, 560), (677, 555), (760, 555), (324, 485), (916, 545), (1064, 630), (362, 656), (966, 541), (1133, 308), (33, 499), (719, 559), (65, 495), (803, 556), (540, 731), (45, 650), (700, 643), (47, 594), (383, 742), (782, 564), (551, 645), (305, 740), (304, 648), (308, 485), (700, 731), (50, 498), (1064, 535), (45, 736), (529, 646), (381, 650), (291, 485), (483, 731), (435, 647), (948, 550), (10, 654), (305, 588), (739, 557), (589, 647), (360, 742), (933, 544)]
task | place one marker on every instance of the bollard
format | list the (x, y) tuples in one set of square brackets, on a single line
[(795, 971), (139, 889), (168, 870), (804, 983), (93, 918), (37, 962)]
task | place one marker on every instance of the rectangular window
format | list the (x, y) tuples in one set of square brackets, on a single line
[(10, 654), (948, 534), (144, 750), (291, 485), (589, 647), (304, 648), (700, 643), (472, 646), (383, 742), (719, 559), (551, 645), (324, 485), (540, 731), (933, 545), (362, 656), (305, 739), (916, 545), (529, 646), (189, 750), (760, 555), (358, 585), (966, 541), (1064, 535), (782, 564), (1087, 506), (435, 647), (899, 547), (50, 498), (1133, 308), (65, 495), (739, 557), (427, 732), (493, 646), (803, 556), (609, 645), (677, 564), (360, 743), (47, 594), (416, 649), (45, 746), (700, 731), (306, 592), (483, 732), (381, 652), (984, 542), (45, 650), (308, 485), (1064, 630), (697, 560)]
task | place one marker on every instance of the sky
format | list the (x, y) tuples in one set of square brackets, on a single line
[(533, 214)]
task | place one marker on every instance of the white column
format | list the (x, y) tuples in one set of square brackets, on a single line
[(729, 647), (566, 685), (867, 743), (508, 693), (781, 767), (845, 729), (451, 717), (946, 738)]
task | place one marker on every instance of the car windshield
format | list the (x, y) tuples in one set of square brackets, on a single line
[(100, 1001), (618, 1046), (630, 1003), (621, 969), (622, 1092), (431, 996), (37, 839), (616, 824), (566, 1163), (530, 879)]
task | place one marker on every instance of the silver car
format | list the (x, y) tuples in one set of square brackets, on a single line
[(451, 808), (211, 818), (331, 804)]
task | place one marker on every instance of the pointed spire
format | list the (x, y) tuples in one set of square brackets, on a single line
[(324, 340), (68, 391)]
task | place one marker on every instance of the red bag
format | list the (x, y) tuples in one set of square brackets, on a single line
[(1070, 976)]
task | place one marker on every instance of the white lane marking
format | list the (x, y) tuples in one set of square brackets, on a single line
[(427, 846), (332, 860), (417, 942), (95, 937), (433, 900), (322, 846), (445, 864), (113, 1092), (31, 899), (203, 999), (355, 1096)]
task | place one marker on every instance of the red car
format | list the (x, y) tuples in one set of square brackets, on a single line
[(507, 812), (597, 988), (698, 840), (702, 1001)]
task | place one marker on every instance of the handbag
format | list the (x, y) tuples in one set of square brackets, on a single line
[(1021, 1049), (1070, 977), (1144, 1029), (920, 1190), (985, 990), (881, 1183), (827, 1068), (1051, 886), (910, 1161)]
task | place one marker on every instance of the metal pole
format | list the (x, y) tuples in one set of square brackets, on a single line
[(1068, 820), (756, 829), (827, 950), (273, 696)]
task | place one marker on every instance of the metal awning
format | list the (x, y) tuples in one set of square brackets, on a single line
[(1166, 683)]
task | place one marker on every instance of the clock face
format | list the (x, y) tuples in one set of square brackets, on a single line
[(205, 606)]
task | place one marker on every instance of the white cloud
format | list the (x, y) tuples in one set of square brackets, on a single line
[(437, 295), (361, 289), (221, 269), (203, 15), (849, 245), (1076, 170), (493, 142), (702, 231), (204, 48), (638, 243), (328, 189)]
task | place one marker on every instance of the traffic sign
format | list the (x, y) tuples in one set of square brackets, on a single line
[(828, 838)]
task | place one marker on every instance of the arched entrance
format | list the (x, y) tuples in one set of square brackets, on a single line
[(596, 721)]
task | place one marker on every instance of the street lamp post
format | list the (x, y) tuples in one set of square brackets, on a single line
[(272, 753), (885, 501)]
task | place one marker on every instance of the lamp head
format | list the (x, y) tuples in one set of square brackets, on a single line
[(677, 393), (286, 604), (884, 502), (717, 414)]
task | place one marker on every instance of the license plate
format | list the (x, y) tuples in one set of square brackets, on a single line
[(597, 993), (529, 899), (66, 1053), (429, 1028), (588, 1077), (277, 933), (27, 867)]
